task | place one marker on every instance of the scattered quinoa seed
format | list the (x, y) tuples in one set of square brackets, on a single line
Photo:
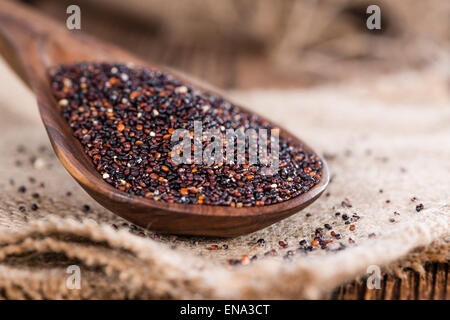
[(346, 203), (283, 244), (261, 242)]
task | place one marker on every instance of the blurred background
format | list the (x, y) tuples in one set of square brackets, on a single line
[(241, 44)]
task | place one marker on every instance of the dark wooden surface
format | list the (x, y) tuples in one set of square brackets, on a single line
[(242, 68), (432, 285)]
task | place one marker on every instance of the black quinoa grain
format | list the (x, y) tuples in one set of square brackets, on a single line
[(22, 189), (35, 195), (34, 207), (124, 117), (86, 208), (261, 242), (22, 208), (234, 262)]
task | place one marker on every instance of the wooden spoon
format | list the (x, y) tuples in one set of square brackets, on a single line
[(31, 44)]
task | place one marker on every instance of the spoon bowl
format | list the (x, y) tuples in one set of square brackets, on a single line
[(32, 44)]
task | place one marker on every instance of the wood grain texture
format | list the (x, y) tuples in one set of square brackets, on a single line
[(33, 44), (432, 285)]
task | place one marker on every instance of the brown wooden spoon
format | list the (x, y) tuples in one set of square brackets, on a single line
[(31, 44)]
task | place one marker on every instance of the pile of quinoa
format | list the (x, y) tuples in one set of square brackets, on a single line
[(124, 117)]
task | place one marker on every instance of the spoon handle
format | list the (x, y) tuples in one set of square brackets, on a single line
[(22, 32)]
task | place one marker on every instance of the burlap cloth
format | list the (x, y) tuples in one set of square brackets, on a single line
[(385, 139)]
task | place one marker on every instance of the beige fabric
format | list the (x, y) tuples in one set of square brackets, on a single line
[(391, 133)]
